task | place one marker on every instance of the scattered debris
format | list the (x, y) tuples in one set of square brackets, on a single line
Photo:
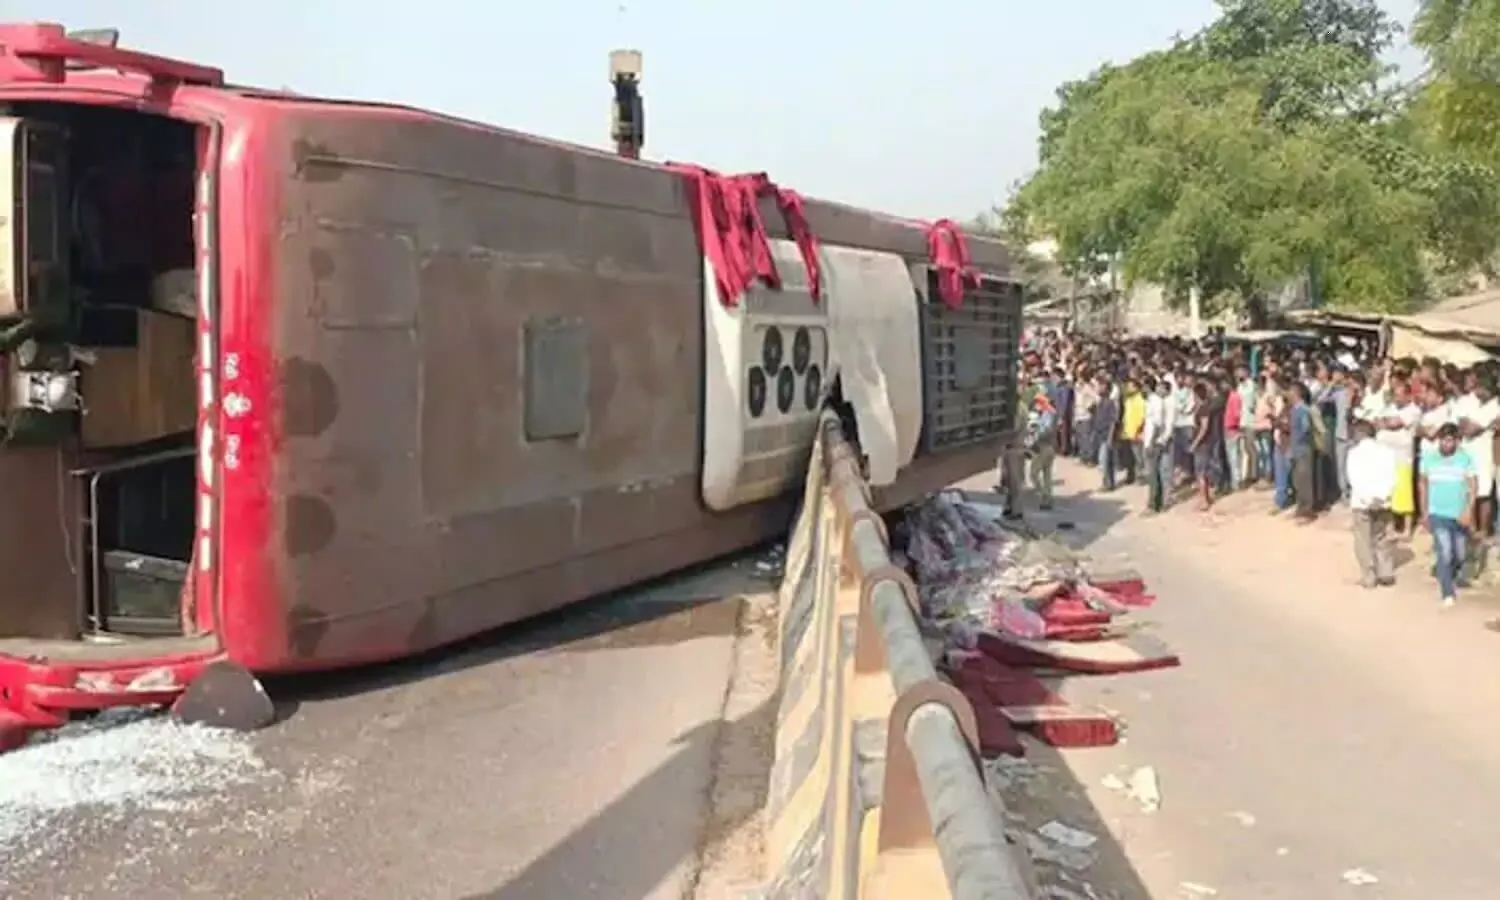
[(978, 578), (117, 765), (1193, 890), (1067, 835), (1089, 892), (1145, 789), (1360, 877), (1017, 777), (1007, 772), (1244, 818), (1045, 851), (772, 564), (976, 574)]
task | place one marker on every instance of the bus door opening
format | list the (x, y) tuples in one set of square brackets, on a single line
[(98, 399)]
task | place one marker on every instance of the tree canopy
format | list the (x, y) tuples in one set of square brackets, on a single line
[(1273, 146), (1461, 99)]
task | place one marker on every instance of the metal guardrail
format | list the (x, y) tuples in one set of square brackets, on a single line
[(876, 791)]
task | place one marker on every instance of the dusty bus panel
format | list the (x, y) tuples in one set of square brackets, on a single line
[(442, 377)]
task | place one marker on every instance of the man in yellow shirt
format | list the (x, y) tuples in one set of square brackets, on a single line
[(1132, 423)]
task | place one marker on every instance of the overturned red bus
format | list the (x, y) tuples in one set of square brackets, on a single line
[(303, 384)]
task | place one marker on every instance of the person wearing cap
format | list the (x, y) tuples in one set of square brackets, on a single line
[(1446, 489)]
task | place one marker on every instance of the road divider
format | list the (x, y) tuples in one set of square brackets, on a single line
[(876, 789)]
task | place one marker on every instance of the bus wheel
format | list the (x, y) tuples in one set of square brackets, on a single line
[(225, 695)]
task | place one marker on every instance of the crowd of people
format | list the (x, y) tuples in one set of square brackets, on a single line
[(1406, 445)]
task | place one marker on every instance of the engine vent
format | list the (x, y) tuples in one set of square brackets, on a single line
[(970, 363)]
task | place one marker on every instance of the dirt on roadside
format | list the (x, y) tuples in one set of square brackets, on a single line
[(732, 853)]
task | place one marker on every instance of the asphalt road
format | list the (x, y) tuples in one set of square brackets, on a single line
[(1318, 742), (569, 758)]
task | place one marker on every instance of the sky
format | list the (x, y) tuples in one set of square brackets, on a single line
[(919, 109)]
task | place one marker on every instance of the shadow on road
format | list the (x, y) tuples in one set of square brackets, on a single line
[(615, 833), (613, 620)]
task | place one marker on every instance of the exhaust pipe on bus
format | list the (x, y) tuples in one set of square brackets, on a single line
[(628, 113)]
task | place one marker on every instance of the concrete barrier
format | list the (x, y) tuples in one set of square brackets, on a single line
[(876, 789)]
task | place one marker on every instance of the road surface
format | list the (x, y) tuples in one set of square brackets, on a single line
[(571, 758), (1318, 742)]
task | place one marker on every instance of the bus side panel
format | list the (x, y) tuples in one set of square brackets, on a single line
[(489, 363)]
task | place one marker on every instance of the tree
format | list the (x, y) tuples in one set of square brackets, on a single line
[(1318, 60), (1461, 37), (1267, 148), (1460, 103)]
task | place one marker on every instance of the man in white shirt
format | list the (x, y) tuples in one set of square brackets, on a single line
[(1249, 472), (1372, 481), (1437, 411), (1476, 413), (1397, 426), (1085, 399), (1185, 405), (1167, 389), (1374, 399), (1156, 442)]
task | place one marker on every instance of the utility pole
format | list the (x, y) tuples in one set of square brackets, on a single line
[(628, 112)]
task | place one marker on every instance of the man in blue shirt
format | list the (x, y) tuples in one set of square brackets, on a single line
[(1448, 488), (1302, 448), (1105, 428), (1062, 401)]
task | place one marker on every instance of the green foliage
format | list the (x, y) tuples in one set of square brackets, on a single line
[(1461, 37), (1316, 60), (1460, 104), (1271, 147)]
